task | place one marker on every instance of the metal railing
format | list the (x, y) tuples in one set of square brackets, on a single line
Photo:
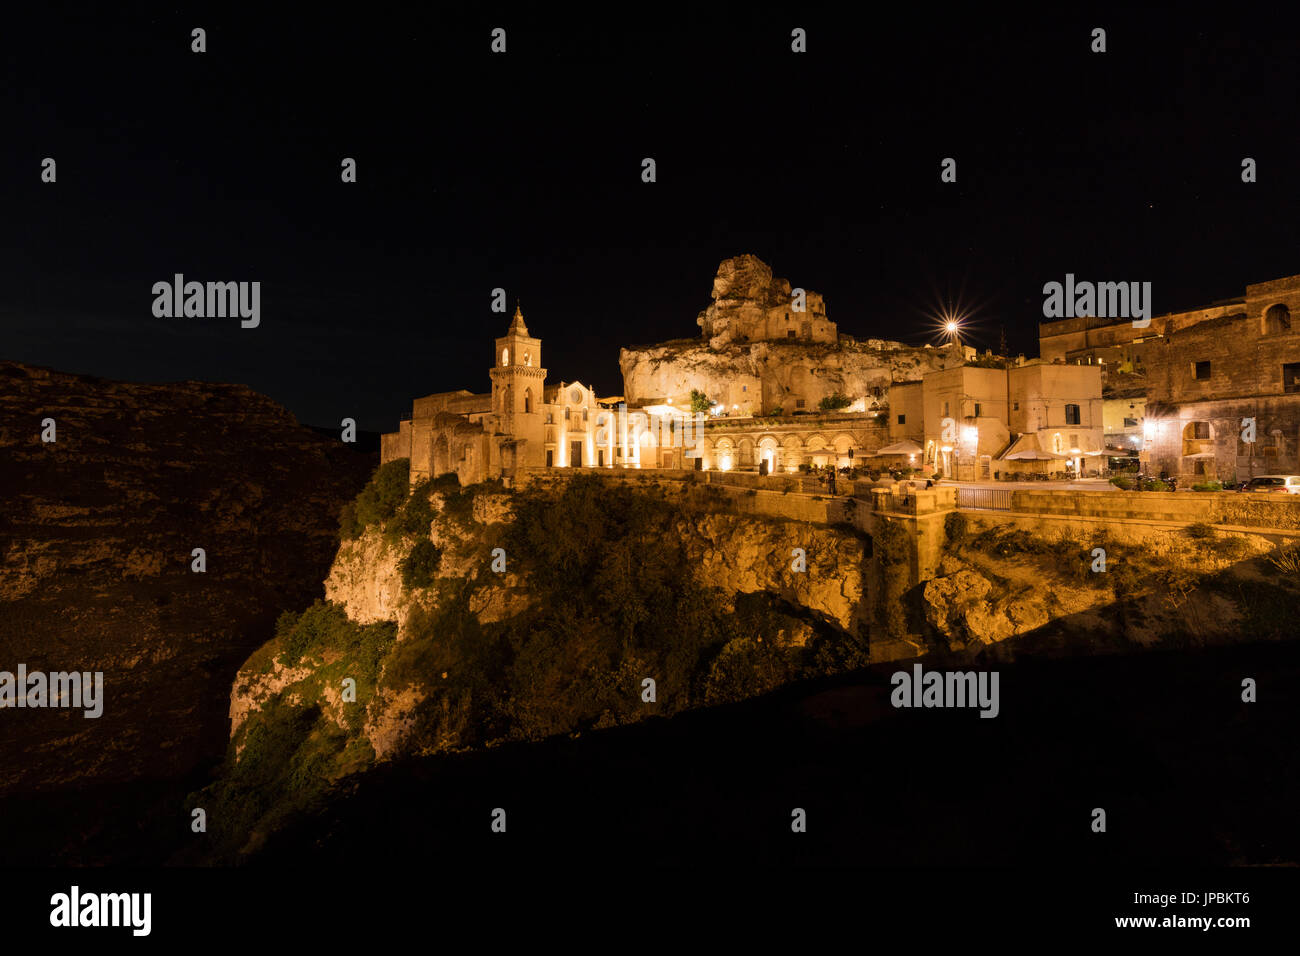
[(985, 499)]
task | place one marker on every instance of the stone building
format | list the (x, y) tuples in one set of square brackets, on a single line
[(1177, 391), (785, 444), (1031, 415), (520, 424), (1208, 382)]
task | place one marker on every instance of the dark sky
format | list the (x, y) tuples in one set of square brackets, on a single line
[(523, 171)]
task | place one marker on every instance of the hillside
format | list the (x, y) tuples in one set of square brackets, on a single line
[(472, 617), (97, 532)]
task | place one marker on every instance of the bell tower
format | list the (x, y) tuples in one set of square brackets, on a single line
[(518, 380)]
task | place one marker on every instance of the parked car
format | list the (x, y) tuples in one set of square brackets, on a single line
[(1281, 484)]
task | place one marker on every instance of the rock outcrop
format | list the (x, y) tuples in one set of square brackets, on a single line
[(746, 298), (760, 377), (760, 351), (729, 555), (957, 607)]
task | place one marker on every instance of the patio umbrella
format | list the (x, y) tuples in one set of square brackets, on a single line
[(905, 447)]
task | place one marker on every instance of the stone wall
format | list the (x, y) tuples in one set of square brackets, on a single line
[(1222, 508)]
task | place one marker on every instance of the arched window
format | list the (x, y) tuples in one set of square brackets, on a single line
[(528, 399), (528, 358), (505, 357), (1058, 445), (1277, 320)]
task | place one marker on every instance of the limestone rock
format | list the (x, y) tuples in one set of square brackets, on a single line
[(365, 580)]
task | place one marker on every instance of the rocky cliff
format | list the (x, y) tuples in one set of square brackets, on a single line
[(727, 556), (536, 613), (776, 374), (1011, 590), (97, 535)]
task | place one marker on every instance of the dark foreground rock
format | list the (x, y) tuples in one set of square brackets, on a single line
[(97, 531)]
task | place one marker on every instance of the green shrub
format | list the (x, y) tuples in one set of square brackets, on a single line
[(1200, 530), (1207, 486), (956, 526), (415, 516), (383, 495), (745, 668), (1122, 482), (699, 401), (420, 566), (349, 527), (1230, 546), (321, 627), (834, 402)]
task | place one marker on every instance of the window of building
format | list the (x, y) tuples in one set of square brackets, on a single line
[(977, 409), (505, 357), (800, 403), (566, 414), (1071, 414), (550, 458), (945, 409), (1291, 377), (1200, 431), (1015, 406), (744, 388), (1130, 423), (584, 416), (1201, 370), (1277, 320), (902, 419), (789, 333)]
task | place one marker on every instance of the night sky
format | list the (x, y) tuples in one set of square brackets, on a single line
[(523, 171)]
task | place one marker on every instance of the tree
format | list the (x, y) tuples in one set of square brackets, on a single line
[(700, 402)]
